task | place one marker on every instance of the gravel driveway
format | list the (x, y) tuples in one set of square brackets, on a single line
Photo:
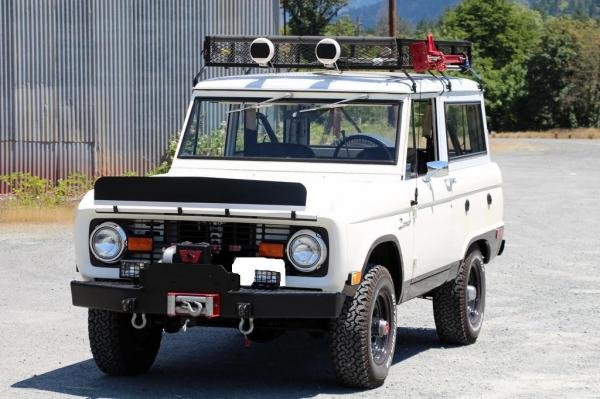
[(540, 337)]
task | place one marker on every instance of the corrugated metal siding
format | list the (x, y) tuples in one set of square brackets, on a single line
[(99, 86)]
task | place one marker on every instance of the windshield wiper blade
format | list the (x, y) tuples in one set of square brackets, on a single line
[(341, 103), (262, 103)]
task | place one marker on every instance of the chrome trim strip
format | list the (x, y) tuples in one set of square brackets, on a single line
[(452, 198)]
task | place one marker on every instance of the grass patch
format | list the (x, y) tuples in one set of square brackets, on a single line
[(581, 133), (64, 214)]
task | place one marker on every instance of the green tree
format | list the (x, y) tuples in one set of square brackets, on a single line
[(310, 17), (504, 34), (577, 8), (342, 27), (564, 76)]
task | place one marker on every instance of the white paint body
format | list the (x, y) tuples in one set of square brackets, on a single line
[(357, 204)]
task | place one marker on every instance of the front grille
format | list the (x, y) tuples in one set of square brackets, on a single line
[(227, 239)]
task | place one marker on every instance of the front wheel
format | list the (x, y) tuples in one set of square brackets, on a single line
[(117, 347), (363, 338), (458, 305)]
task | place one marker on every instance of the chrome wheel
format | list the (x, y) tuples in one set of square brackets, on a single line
[(381, 322), (474, 295)]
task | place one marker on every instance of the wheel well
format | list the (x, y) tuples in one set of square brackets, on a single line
[(387, 254), (483, 247)]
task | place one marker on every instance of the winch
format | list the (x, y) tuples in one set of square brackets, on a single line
[(188, 252)]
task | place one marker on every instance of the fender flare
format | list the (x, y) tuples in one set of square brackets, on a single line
[(381, 240), (491, 242)]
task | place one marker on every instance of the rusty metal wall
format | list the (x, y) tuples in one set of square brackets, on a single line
[(99, 86)]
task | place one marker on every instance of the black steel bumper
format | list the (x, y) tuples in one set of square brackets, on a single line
[(156, 281)]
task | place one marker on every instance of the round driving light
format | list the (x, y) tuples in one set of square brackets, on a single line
[(262, 51), (306, 250), (108, 241), (328, 51)]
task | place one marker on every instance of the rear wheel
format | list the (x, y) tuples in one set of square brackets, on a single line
[(117, 347), (363, 338), (458, 305)]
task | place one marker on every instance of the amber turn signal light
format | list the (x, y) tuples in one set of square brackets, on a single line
[(270, 250), (355, 278), (139, 244)]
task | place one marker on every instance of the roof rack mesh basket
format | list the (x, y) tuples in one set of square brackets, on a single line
[(384, 53)]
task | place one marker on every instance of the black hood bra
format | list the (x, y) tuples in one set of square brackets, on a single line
[(199, 190)]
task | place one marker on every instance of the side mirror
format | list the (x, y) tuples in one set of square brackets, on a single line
[(436, 169)]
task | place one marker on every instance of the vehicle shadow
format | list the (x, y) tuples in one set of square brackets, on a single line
[(214, 362)]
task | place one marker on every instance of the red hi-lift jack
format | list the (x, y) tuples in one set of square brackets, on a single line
[(426, 57)]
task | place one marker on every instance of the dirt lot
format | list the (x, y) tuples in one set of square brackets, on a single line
[(540, 337)]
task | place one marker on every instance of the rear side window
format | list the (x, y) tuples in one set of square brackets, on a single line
[(464, 129)]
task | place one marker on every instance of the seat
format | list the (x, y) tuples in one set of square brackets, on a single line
[(374, 154), (283, 150)]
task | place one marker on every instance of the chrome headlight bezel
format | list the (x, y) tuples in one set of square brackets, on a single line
[(308, 236), (120, 233)]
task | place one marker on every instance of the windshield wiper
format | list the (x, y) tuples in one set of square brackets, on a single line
[(341, 103), (262, 103)]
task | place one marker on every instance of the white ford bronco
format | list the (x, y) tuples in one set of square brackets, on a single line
[(314, 200)]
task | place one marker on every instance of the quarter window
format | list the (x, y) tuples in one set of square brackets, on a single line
[(464, 130)]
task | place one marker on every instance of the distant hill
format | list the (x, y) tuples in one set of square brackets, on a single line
[(413, 11)]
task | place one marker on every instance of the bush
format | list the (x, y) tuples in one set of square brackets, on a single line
[(29, 190), (167, 159)]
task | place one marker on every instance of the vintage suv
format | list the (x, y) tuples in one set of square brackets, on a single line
[(311, 200)]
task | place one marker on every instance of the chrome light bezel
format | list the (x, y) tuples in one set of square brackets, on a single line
[(317, 239), (120, 232)]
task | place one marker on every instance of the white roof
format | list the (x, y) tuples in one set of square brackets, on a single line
[(355, 82)]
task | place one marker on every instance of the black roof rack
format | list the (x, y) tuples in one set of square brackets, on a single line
[(363, 53)]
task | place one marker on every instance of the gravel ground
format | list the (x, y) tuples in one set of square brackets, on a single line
[(540, 337)]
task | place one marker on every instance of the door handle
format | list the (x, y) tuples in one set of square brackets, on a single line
[(404, 223), (450, 180)]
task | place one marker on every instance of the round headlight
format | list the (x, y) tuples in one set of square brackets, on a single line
[(306, 250), (108, 241)]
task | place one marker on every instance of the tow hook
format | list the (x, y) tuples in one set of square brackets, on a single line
[(245, 313), (142, 324), (248, 330)]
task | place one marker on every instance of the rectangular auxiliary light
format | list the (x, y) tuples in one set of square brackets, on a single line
[(131, 268), (365, 53), (266, 279)]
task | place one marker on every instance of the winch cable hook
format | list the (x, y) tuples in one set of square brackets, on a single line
[(189, 305), (142, 324)]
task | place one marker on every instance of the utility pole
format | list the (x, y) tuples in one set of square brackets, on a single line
[(284, 19), (392, 18)]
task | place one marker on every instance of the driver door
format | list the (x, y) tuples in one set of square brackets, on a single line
[(432, 209)]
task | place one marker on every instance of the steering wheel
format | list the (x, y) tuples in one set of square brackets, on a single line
[(363, 138), (262, 118)]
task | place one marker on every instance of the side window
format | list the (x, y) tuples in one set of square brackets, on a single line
[(421, 138), (464, 129)]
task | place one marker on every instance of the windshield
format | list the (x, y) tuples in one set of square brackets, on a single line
[(283, 129)]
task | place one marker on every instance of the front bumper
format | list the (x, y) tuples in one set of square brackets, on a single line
[(149, 295)]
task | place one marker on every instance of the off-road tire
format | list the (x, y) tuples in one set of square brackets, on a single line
[(118, 348), (450, 304), (350, 334)]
